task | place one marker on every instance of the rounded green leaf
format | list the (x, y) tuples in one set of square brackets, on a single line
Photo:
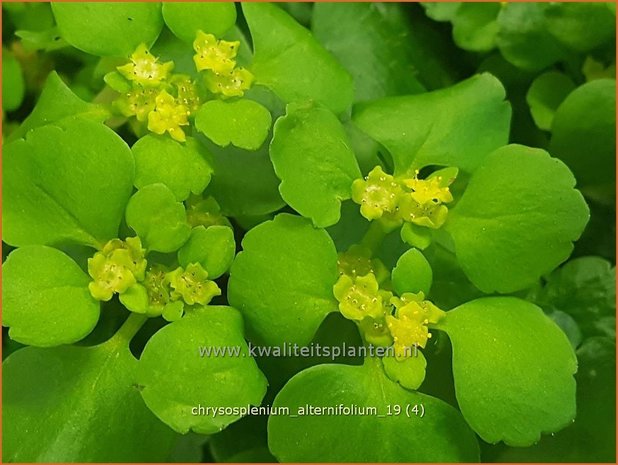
[(429, 129), (56, 102), (592, 436), (185, 18), (243, 442), (13, 85), (439, 11), (290, 62), (588, 144), (158, 219), (416, 236), (374, 42), (177, 376), (475, 27), (106, 28), (282, 281), (546, 94), (213, 248), (181, 167), (524, 39), (412, 273), (517, 219), (45, 298), (581, 26), (409, 372), (244, 183), (80, 405), (316, 172), (65, 183), (243, 123), (513, 370), (440, 435)]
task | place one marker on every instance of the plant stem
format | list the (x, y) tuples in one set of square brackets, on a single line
[(129, 328), (373, 237)]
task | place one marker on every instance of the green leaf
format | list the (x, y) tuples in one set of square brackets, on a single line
[(524, 38), (181, 167), (581, 26), (184, 19), (244, 441), (211, 247), (513, 370), (316, 172), (517, 219), (416, 236), (177, 379), (374, 42), (243, 123), (584, 288), (592, 436), (429, 129), (475, 27), (13, 85), (78, 404), (546, 94), (244, 182), (108, 29), (158, 219), (45, 298), (587, 144), (57, 102), (47, 175), (290, 62), (412, 273), (282, 281), (117, 82), (30, 16), (409, 372), (441, 11), (440, 435)]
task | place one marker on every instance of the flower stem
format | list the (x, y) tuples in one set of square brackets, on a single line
[(373, 237), (130, 328)]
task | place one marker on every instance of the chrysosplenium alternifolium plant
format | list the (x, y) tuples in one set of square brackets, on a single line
[(376, 211)]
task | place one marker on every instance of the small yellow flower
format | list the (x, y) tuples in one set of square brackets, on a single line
[(145, 69), (409, 325), (117, 267), (186, 92), (192, 285), (377, 194), (429, 215), (360, 297), (137, 102), (406, 335), (422, 203), (425, 191), (357, 261), (376, 332), (168, 116), (214, 55), (233, 83)]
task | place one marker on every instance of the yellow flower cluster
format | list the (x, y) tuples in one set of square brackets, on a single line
[(394, 200), (365, 298), (120, 268), (217, 58), (161, 100)]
